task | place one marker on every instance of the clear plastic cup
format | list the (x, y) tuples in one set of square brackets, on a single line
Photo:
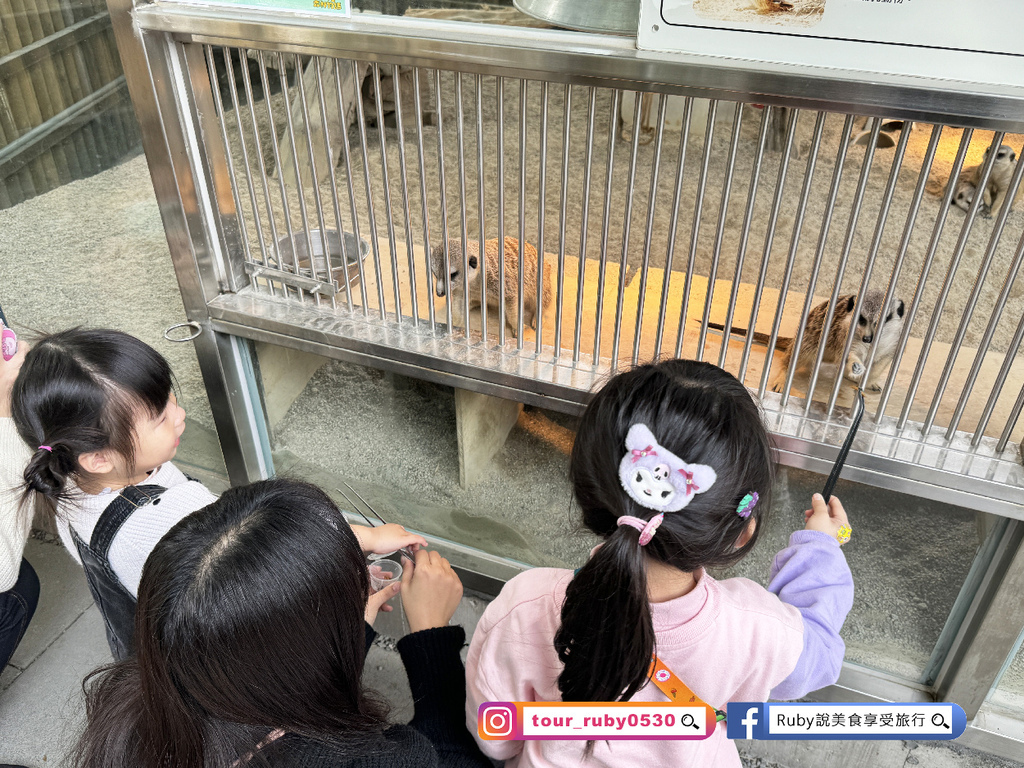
[(378, 571)]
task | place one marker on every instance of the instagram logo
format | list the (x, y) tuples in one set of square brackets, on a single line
[(496, 720)]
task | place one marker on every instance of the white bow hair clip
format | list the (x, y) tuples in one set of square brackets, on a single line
[(656, 478)]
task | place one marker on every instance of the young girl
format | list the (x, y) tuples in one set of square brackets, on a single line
[(672, 466), (251, 640), (97, 410)]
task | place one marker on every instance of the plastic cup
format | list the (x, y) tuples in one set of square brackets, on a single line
[(379, 567)]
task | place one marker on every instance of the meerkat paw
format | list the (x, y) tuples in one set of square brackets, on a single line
[(855, 371)]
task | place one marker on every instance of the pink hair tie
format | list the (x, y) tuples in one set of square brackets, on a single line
[(45, 448), (647, 528)]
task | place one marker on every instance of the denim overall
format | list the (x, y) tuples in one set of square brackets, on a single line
[(116, 603)]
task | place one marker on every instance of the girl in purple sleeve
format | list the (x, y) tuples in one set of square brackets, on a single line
[(672, 467)]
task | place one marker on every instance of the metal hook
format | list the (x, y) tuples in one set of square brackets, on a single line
[(196, 327)]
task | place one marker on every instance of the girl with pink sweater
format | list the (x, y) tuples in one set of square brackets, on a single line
[(672, 466)]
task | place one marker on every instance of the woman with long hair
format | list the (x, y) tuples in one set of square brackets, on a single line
[(250, 641)]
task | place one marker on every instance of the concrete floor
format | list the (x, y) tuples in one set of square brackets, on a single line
[(101, 259)]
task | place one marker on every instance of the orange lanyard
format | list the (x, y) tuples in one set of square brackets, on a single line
[(676, 690)]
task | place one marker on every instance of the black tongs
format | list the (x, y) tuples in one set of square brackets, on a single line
[(404, 550), (837, 468)]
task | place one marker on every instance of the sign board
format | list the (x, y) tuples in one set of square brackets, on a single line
[(963, 40)]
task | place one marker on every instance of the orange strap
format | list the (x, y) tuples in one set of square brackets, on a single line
[(677, 691)]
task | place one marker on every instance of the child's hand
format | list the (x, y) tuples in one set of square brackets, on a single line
[(827, 519), (377, 601), (385, 539), (431, 591), (8, 373)]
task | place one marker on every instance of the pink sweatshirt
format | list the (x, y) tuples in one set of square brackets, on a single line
[(729, 640)]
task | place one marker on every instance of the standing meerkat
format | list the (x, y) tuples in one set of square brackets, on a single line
[(869, 329), (492, 253), (998, 181)]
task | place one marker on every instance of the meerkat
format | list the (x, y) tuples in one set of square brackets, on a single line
[(494, 297), (869, 331), (998, 181), (965, 190)]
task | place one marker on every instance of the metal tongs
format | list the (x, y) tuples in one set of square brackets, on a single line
[(837, 468), (404, 550)]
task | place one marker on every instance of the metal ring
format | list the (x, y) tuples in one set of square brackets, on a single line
[(191, 324)]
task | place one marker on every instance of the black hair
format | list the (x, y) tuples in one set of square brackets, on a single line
[(80, 391), (250, 619), (703, 415)]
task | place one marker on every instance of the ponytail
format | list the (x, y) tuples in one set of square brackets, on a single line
[(606, 638)]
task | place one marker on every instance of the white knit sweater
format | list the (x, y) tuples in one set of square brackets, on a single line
[(15, 522), (140, 532)]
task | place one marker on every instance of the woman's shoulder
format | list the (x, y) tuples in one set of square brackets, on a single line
[(534, 584)]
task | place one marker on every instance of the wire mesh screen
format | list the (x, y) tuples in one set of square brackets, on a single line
[(597, 229)]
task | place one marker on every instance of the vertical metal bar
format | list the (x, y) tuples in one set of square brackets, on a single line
[(347, 158), (794, 244), (321, 220), (245, 158), (837, 174), (755, 178), (581, 266), (409, 251), (837, 286), (386, 181), (500, 128), (972, 303), (684, 138), (522, 208), (541, 210), (566, 125), (769, 242), (480, 207), (247, 83), (723, 210), (444, 204), (997, 386), (908, 230), (883, 217), (321, 99), (374, 245), (613, 123), (298, 173), (274, 141), (649, 232), (227, 151), (1011, 422), (954, 264), (702, 182), (418, 104), (460, 135), (627, 220)]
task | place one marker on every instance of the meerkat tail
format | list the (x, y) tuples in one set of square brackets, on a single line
[(760, 338)]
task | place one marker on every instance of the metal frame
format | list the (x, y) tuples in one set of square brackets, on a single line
[(203, 211)]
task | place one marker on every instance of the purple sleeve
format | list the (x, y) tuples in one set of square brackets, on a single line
[(811, 574)]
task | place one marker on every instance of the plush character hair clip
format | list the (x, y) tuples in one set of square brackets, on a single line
[(656, 478)]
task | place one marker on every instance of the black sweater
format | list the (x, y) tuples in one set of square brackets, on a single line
[(436, 737)]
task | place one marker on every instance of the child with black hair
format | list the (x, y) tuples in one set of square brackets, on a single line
[(672, 466), (98, 414)]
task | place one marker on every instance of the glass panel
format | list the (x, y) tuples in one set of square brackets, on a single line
[(395, 440), (64, 107), (1009, 691)]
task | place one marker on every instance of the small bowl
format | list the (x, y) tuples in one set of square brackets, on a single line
[(297, 248), (376, 567)]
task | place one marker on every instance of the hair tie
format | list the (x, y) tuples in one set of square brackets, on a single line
[(45, 448), (647, 528)]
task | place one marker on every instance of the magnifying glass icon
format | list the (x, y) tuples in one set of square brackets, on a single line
[(687, 721), (938, 719)]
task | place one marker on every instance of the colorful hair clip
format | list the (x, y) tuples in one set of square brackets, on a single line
[(747, 504), (656, 478)]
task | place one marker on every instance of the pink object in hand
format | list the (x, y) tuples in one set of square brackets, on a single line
[(8, 343)]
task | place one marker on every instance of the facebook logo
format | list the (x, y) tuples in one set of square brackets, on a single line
[(745, 720)]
